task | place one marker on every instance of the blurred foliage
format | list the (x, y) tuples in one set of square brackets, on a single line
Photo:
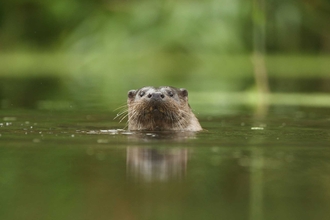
[(97, 50), (211, 25)]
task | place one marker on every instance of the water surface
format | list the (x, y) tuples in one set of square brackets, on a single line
[(81, 165)]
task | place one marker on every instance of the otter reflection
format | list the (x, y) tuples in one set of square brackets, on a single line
[(158, 164), (150, 164)]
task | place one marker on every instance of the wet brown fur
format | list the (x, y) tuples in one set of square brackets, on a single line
[(169, 111)]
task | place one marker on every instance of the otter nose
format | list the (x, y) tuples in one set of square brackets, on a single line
[(156, 96)]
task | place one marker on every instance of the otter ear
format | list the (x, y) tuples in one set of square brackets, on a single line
[(184, 92), (131, 94)]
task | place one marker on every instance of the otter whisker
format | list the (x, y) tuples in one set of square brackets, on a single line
[(121, 113), (120, 107), (122, 118)]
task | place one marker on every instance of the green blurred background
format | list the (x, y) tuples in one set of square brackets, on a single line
[(87, 54)]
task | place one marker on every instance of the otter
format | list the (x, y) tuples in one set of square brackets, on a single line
[(162, 108)]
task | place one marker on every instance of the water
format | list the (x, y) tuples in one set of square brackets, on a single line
[(78, 165)]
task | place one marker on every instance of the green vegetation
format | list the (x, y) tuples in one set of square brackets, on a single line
[(92, 53)]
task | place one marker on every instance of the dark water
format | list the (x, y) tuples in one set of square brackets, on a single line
[(77, 165)]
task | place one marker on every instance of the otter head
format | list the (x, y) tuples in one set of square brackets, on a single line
[(160, 108)]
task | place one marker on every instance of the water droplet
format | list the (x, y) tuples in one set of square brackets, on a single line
[(257, 128)]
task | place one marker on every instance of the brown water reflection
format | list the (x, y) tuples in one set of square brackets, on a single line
[(158, 164), (150, 164)]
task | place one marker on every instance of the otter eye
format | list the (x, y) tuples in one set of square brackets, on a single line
[(170, 93), (141, 93)]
